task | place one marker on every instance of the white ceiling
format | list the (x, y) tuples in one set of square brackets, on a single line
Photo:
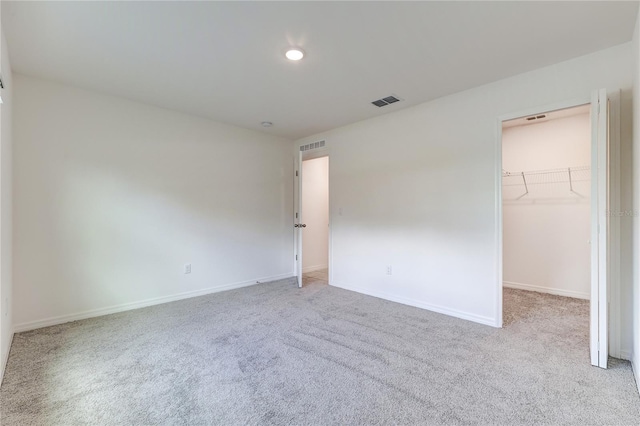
[(225, 60)]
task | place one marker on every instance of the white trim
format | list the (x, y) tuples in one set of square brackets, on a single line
[(331, 204), (615, 311), (635, 367), (624, 354), (498, 224), (3, 367), (594, 334), (314, 268), (600, 232), (298, 208), (32, 325), (418, 304), (296, 182), (556, 291)]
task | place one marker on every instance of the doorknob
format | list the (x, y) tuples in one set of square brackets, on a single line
[(303, 225), (297, 225)]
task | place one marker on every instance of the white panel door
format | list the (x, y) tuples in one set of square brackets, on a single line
[(599, 228)]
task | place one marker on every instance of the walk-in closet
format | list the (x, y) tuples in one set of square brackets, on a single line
[(546, 200)]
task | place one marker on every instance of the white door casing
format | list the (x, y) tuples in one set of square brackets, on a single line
[(298, 219), (599, 346), (298, 213)]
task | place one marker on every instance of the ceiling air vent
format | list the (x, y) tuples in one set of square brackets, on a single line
[(536, 117), (386, 101), (313, 145)]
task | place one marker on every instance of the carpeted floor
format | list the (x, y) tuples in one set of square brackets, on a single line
[(277, 355), (320, 277)]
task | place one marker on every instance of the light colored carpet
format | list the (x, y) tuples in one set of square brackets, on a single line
[(277, 355), (319, 277)]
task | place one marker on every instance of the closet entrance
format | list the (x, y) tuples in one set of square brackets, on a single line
[(312, 215), (546, 203), (554, 225)]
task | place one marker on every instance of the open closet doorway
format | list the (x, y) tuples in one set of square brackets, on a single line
[(554, 227), (312, 219), (546, 196)]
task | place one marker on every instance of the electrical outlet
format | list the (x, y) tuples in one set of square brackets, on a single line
[(187, 268), (389, 270)]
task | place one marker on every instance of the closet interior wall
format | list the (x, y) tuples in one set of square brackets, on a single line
[(546, 204), (315, 214)]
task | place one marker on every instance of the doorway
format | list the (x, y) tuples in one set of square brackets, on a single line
[(546, 200), (313, 219), (315, 209), (552, 219), (546, 224)]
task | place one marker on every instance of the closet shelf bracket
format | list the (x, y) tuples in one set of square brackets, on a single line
[(526, 188), (571, 184)]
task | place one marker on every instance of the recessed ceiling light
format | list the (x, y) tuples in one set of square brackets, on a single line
[(266, 124), (294, 54)]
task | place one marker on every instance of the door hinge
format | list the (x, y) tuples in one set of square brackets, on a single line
[(296, 257), (296, 173), (296, 215)]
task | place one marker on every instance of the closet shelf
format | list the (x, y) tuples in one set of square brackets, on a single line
[(567, 175), (580, 173)]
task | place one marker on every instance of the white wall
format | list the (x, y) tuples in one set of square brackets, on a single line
[(635, 294), (417, 188), (6, 324), (315, 214), (546, 232), (112, 198)]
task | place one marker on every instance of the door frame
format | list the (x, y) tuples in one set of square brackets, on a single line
[(612, 244), (297, 208)]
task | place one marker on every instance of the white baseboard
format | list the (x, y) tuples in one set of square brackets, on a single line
[(32, 325), (419, 304), (635, 367), (556, 291), (626, 355), (314, 268), (4, 360)]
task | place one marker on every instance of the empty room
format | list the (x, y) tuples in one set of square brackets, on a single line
[(313, 213)]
